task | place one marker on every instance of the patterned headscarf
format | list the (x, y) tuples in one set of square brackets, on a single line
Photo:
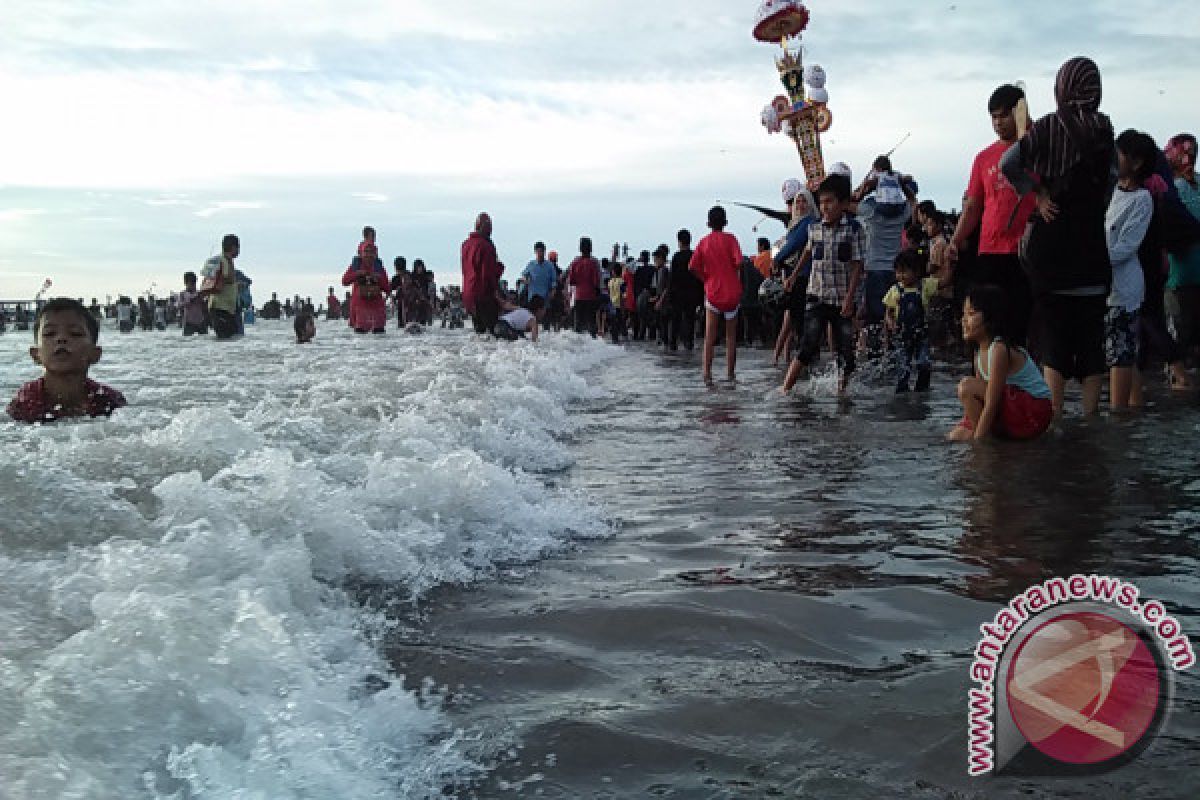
[(1059, 141)]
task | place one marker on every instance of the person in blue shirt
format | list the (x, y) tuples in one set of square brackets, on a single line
[(800, 202), (540, 274)]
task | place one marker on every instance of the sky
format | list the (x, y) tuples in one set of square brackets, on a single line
[(138, 132)]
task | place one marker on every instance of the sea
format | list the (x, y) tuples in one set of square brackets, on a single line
[(416, 566)]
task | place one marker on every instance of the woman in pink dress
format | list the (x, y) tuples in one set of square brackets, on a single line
[(368, 301)]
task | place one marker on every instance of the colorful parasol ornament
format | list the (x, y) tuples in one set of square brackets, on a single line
[(803, 114), (780, 19)]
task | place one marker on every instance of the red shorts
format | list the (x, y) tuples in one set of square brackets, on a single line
[(1022, 416)]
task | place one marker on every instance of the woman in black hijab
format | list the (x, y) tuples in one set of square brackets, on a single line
[(1069, 156)]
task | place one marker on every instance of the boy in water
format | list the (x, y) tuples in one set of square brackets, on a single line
[(195, 313), (907, 314), (65, 336), (836, 247), (305, 326), (520, 321)]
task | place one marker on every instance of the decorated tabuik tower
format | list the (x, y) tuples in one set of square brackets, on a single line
[(803, 113)]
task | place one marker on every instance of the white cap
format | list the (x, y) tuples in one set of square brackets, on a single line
[(791, 188), (842, 168)]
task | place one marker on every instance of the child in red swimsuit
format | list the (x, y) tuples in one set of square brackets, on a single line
[(65, 336)]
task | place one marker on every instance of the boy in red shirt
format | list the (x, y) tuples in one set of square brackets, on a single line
[(993, 207), (65, 336), (717, 262)]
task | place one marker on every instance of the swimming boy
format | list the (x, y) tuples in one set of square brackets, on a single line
[(64, 336), (836, 246), (519, 321)]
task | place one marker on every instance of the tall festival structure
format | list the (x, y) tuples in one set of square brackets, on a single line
[(802, 114)]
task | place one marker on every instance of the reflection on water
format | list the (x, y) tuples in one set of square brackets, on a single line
[(791, 602)]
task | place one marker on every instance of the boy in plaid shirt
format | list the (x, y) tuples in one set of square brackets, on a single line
[(836, 246)]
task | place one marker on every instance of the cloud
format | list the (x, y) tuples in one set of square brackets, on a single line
[(227, 205), (20, 214), (617, 119)]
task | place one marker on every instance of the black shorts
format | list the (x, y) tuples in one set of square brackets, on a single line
[(191, 330), (224, 324), (1072, 334), (505, 331)]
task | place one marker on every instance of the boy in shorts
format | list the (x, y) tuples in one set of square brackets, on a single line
[(836, 247), (64, 336), (907, 315)]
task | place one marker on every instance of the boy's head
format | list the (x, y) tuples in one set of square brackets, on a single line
[(1001, 105), (660, 255), (1136, 156), (764, 244), (908, 268), (717, 220), (189, 280), (539, 251), (401, 263), (832, 196), (882, 164), (585, 246), (64, 337), (368, 234), (935, 222), (685, 239), (924, 209), (230, 246), (1181, 153)]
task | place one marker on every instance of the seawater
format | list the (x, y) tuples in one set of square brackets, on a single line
[(178, 614)]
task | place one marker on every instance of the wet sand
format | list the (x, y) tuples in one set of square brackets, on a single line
[(792, 597)]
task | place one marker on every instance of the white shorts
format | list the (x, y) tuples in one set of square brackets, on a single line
[(727, 314)]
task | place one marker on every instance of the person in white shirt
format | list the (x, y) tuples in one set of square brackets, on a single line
[(520, 321), (1126, 223)]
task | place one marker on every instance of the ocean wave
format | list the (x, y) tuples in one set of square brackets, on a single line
[(174, 580)]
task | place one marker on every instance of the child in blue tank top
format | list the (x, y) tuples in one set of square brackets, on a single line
[(1008, 397)]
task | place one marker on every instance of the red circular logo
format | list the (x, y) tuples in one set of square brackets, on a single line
[(1083, 688)]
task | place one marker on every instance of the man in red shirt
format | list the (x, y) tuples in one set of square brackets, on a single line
[(584, 275), (993, 203), (717, 262), (481, 276)]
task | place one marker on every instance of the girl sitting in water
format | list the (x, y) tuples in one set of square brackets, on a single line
[(1008, 397)]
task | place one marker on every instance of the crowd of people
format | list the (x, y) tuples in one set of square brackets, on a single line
[(1076, 257)]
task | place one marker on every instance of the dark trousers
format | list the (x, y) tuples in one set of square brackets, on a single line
[(818, 317), (683, 326), (751, 325), (487, 312), (585, 316), (225, 325)]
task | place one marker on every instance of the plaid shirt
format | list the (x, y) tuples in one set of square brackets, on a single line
[(833, 248)]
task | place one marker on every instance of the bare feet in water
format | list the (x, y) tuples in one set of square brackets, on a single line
[(960, 434)]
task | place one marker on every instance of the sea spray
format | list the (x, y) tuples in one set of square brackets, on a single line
[(175, 622)]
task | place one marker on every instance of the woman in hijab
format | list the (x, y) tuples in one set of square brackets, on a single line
[(804, 213), (1069, 156)]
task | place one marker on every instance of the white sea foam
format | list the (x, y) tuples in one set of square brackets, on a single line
[(172, 581)]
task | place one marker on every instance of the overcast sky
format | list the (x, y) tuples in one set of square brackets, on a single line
[(137, 132)]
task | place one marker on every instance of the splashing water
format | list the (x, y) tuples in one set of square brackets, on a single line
[(173, 581)]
